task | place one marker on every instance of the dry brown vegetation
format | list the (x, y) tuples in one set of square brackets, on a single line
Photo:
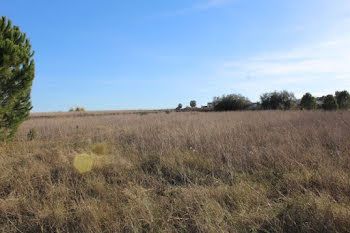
[(179, 172)]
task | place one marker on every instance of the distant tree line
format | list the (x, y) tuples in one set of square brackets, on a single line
[(283, 100), (193, 106), (279, 100)]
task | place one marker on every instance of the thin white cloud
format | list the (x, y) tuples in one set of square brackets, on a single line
[(210, 4), (204, 5), (320, 68), (331, 56)]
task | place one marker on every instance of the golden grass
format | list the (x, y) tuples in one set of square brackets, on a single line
[(180, 172)]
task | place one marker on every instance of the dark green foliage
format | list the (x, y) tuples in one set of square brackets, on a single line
[(308, 102), (321, 98), (80, 109), (193, 103), (231, 103), (179, 107), (283, 100), (330, 103), (16, 77), (343, 99)]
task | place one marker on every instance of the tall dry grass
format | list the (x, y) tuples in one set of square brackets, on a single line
[(179, 172)]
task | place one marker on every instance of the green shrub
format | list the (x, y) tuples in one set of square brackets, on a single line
[(231, 103), (308, 102), (283, 100), (330, 103)]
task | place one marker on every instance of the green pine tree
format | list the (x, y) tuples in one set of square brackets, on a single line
[(16, 77)]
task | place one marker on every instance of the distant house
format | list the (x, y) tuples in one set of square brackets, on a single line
[(208, 107)]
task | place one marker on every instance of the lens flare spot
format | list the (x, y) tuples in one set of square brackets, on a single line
[(83, 163)]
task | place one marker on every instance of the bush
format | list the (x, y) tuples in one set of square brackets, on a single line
[(77, 109), (31, 135), (308, 102), (231, 102), (16, 77), (283, 100), (343, 99), (193, 103), (80, 109), (330, 103), (179, 106)]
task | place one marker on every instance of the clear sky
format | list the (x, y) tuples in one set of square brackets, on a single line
[(138, 54)]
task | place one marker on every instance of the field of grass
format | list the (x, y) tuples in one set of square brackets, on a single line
[(262, 171)]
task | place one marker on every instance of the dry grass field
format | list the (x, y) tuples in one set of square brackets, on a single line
[(180, 172)]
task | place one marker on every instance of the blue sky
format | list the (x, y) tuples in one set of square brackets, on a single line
[(139, 54)]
